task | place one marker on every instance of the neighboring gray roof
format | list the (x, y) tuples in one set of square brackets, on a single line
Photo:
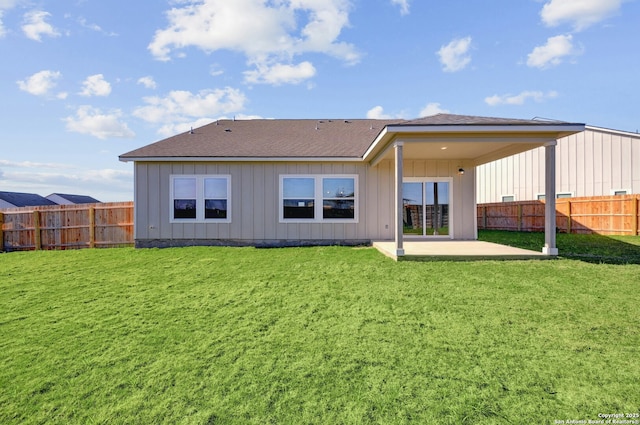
[(295, 138), (450, 119), (25, 199), (76, 199), (612, 131)]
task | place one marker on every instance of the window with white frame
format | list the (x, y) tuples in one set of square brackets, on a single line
[(318, 198), (508, 198), (196, 198)]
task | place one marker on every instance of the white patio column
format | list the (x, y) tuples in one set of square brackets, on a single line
[(550, 199), (399, 249)]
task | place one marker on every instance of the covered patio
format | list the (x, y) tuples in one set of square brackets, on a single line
[(448, 148)]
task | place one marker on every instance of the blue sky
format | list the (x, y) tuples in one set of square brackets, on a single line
[(83, 81)]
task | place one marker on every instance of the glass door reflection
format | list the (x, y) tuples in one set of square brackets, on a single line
[(426, 208), (413, 216)]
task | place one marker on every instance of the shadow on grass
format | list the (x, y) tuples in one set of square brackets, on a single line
[(589, 248)]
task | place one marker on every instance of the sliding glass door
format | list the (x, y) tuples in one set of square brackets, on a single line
[(426, 207)]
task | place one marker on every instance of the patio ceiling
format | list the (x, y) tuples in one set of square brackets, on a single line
[(479, 144)]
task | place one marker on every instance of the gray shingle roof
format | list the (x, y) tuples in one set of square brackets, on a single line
[(293, 138), (269, 139)]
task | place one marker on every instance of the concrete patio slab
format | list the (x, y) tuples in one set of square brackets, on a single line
[(423, 250)]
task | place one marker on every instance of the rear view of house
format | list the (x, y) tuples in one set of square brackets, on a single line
[(309, 182)]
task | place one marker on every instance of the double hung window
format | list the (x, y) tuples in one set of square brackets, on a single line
[(200, 198), (318, 198)]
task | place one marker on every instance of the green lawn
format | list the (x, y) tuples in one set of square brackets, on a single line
[(315, 335), (591, 248)]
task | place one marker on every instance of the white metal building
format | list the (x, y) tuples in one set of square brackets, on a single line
[(595, 162)]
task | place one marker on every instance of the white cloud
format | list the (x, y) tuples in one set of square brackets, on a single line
[(95, 85), (404, 6), (579, 13), (185, 108), (246, 117), (552, 53), (85, 24), (5, 5), (171, 129), (48, 177), (267, 33), (279, 74), (215, 70), (519, 99), (40, 83), (94, 27), (432, 109), (148, 82), (93, 121), (454, 56), (106, 185), (377, 113), (3, 31), (35, 25), (29, 164)]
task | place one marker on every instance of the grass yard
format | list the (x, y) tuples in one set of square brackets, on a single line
[(315, 336), (591, 248)]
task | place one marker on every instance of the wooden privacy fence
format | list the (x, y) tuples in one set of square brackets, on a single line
[(66, 226), (111, 224), (605, 215)]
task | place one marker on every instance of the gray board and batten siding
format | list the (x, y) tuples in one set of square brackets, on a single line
[(255, 198)]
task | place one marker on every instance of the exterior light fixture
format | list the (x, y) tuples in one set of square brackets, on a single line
[(460, 171)]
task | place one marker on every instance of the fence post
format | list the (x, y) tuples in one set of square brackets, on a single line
[(634, 220), (1, 232), (92, 227), (519, 217), (37, 236), (484, 218), (568, 217)]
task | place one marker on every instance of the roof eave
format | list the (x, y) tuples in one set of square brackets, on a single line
[(379, 142), (487, 128), (239, 159)]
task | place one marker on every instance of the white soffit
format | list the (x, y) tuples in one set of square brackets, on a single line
[(479, 143)]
